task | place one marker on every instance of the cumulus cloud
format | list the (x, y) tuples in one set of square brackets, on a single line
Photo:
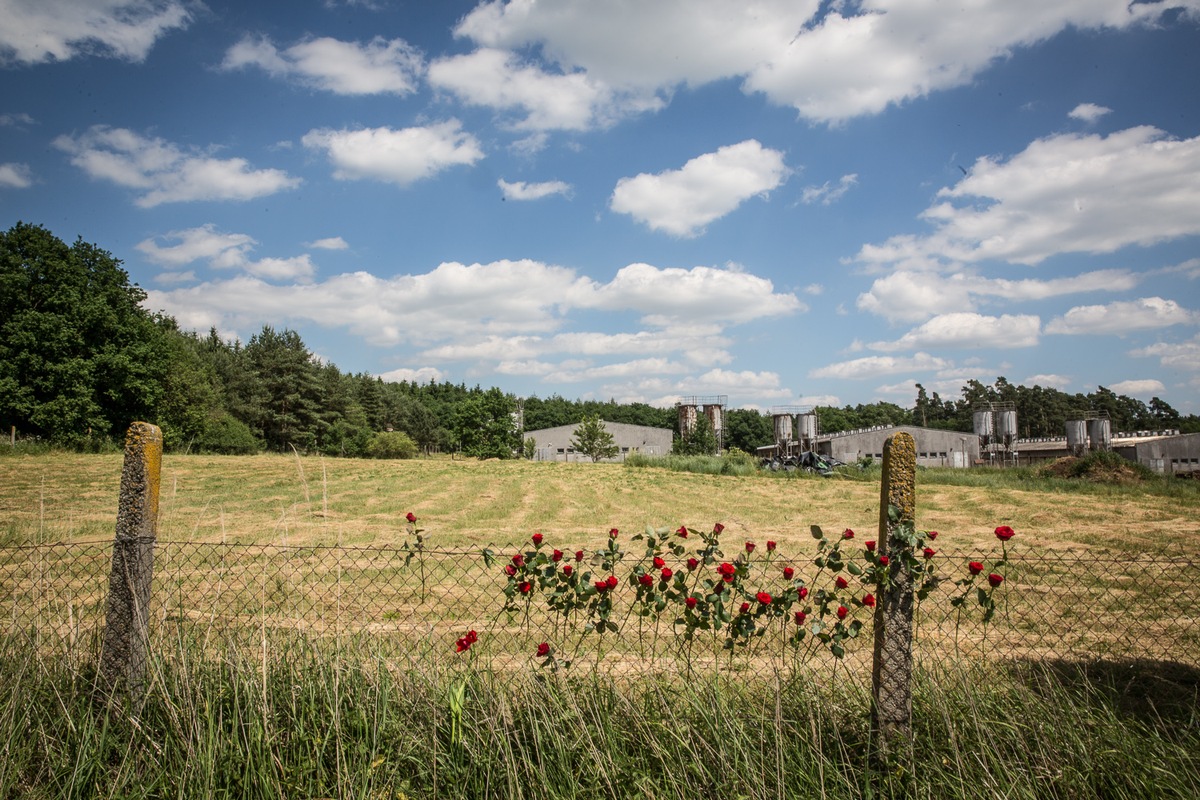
[(520, 190), (1135, 388), (681, 202), (18, 120), (1175, 355), (1146, 313), (220, 251), (827, 194), (166, 173), (1050, 381), (914, 296), (401, 156), (874, 366), (331, 243), (418, 375), (830, 61), (1088, 112), (15, 176), (380, 66), (37, 31), (1063, 194), (964, 329)]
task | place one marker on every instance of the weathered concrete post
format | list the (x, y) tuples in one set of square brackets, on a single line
[(891, 675), (123, 651)]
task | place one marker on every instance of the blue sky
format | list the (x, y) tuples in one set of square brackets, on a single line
[(789, 203)]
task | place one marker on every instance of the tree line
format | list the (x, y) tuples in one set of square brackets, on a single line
[(81, 358)]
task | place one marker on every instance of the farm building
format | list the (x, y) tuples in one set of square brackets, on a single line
[(935, 448), (1167, 452), (554, 444)]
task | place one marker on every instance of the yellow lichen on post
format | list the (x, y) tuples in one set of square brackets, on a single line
[(898, 487)]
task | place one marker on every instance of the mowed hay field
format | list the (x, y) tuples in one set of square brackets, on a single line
[(292, 500)]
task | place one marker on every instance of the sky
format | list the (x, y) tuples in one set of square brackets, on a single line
[(785, 202)]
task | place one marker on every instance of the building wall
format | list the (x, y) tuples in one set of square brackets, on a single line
[(554, 444), (935, 448), (1169, 455)]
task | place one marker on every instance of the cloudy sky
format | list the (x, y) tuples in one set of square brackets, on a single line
[(789, 202)]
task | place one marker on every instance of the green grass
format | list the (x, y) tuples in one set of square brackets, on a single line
[(312, 723)]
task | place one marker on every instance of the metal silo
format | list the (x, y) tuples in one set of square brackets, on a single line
[(783, 427), (1100, 433), (1076, 436), (687, 419), (808, 426), (1006, 424), (982, 421), (716, 417)]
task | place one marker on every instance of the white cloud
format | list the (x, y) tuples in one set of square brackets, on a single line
[(681, 202), (18, 120), (1066, 193), (37, 31), (827, 194), (194, 244), (625, 369), (1088, 112), (913, 296), (965, 329), (331, 243), (15, 176), (724, 381), (401, 156), (419, 375), (1050, 381), (1181, 355), (1135, 388), (282, 269), (380, 66), (572, 101), (164, 172), (520, 190), (873, 366), (1146, 313)]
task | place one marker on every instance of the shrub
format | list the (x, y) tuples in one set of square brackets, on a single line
[(392, 444)]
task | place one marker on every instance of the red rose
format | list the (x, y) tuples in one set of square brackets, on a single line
[(770, 546), (718, 528), (645, 580), (567, 570), (601, 586), (510, 570), (727, 578), (933, 534), (841, 582), (995, 580), (525, 587), (869, 600), (726, 569), (842, 612), (579, 555), (411, 517), (764, 598), (847, 534), (1004, 533), (690, 602), (461, 645), (519, 560), (929, 552), (666, 573), (543, 650), (659, 563), (612, 581), (612, 533), (717, 589), (537, 539), (802, 592), (870, 545), (472, 637), (745, 608), (800, 617), (557, 555), (683, 531), (788, 572), (749, 547), (693, 563), (884, 561), (976, 567)]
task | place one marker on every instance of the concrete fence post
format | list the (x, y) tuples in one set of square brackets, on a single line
[(891, 674), (123, 651)]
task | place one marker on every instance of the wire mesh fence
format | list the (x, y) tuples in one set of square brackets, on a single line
[(407, 604)]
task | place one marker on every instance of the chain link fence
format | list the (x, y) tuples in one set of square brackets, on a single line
[(416, 605)]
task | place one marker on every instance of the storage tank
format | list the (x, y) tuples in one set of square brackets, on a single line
[(1076, 436), (1006, 424), (783, 427), (687, 420), (982, 421), (1100, 433), (808, 426), (716, 417)]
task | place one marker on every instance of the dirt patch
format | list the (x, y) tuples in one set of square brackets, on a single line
[(1096, 468)]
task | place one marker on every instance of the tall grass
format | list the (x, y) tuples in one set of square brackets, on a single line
[(322, 723)]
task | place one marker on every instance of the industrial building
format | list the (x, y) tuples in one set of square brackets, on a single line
[(935, 448), (554, 444)]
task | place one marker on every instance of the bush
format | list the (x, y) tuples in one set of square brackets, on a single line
[(227, 436), (392, 444)]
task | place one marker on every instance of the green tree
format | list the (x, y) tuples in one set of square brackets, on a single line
[(747, 429), (79, 355), (701, 441), (289, 415), (593, 439)]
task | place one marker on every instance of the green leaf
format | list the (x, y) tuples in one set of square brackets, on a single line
[(489, 557), (854, 569), (837, 650), (816, 531)]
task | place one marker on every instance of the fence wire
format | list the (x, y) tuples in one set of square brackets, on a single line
[(407, 604)]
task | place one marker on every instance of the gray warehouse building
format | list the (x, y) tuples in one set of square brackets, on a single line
[(935, 448), (554, 444)]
